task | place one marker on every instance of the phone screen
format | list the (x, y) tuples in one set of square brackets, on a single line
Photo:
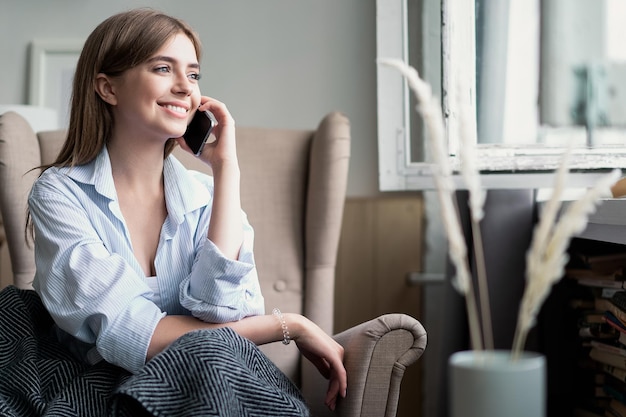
[(199, 130)]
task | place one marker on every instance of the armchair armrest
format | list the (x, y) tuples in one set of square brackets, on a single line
[(376, 354)]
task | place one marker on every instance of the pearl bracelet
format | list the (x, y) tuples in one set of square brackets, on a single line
[(283, 326)]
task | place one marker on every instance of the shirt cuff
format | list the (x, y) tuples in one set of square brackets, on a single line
[(220, 289), (125, 341)]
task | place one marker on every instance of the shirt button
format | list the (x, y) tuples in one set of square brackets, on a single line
[(280, 285)]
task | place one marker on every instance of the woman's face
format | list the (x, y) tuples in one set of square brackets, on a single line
[(158, 97)]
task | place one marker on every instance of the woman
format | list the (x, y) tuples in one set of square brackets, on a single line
[(133, 251)]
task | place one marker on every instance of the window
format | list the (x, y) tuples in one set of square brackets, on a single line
[(537, 74)]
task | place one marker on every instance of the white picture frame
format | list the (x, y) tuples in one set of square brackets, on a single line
[(52, 67)]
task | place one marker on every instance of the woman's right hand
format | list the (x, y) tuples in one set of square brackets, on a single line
[(323, 351)]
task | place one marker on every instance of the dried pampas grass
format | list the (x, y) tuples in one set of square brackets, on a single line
[(547, 255), (477, 196), (430, 110)]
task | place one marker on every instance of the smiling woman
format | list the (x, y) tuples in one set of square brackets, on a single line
[(153, 101), (157, 257)]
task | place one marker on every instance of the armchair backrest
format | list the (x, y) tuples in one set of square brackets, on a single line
[(293, 191)]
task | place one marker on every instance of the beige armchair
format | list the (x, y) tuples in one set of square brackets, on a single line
[(293, 190)]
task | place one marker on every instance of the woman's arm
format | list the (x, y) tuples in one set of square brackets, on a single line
[(225, 227), (223, 285), (89, 288), (313, 342), (258, 329)]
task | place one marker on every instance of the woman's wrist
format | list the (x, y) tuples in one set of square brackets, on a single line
[(283, 325), (226, 167), (295, 325)]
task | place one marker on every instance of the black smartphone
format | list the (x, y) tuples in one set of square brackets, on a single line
[(199, 130)]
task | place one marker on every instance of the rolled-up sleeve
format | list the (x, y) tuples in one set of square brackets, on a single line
[(220, 289)]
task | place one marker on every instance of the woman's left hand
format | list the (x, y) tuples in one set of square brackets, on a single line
[(325, 353), (223, 149)]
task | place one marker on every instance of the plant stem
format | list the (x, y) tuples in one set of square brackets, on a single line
[(472, 317), (483, 287), (519, 340)]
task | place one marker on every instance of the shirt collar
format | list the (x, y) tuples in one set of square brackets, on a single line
[(184, 192), (97, 173)]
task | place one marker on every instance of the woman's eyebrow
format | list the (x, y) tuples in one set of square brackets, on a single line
[(171, 60)]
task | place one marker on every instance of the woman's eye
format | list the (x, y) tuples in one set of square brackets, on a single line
[(162, 69), (195, 76)]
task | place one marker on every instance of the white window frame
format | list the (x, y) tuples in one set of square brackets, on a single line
[(503, 166)]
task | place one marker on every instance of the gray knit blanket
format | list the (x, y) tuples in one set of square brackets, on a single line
[(204, 373)]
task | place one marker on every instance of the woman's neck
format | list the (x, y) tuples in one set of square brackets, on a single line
[(137, 168)]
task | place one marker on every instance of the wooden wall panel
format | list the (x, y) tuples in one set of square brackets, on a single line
[(381, 243), (354, 293)]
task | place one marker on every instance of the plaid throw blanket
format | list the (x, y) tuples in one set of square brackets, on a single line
[(204, 373)]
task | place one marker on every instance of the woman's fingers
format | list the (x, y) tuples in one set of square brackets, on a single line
[(219, 110), (337, 387), (331, 394), (223, 148), (335, 372), (326, 354)]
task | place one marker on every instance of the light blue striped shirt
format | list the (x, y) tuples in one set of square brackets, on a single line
[(90, 281)]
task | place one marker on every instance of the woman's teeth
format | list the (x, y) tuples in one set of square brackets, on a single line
[(177, 109)]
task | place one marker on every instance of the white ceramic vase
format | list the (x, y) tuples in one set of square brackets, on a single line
[(491, 384)]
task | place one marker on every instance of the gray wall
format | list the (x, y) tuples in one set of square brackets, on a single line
[(275, 63)]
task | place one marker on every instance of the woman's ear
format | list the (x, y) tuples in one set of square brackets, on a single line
[(105, 89)]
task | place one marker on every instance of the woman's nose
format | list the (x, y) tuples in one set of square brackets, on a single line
[(183, 84)]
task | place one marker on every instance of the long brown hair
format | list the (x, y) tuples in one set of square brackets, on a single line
[(119, 43)]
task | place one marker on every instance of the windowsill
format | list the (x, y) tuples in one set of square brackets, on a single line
[(538, 158), (524, 167), (522, 180)]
